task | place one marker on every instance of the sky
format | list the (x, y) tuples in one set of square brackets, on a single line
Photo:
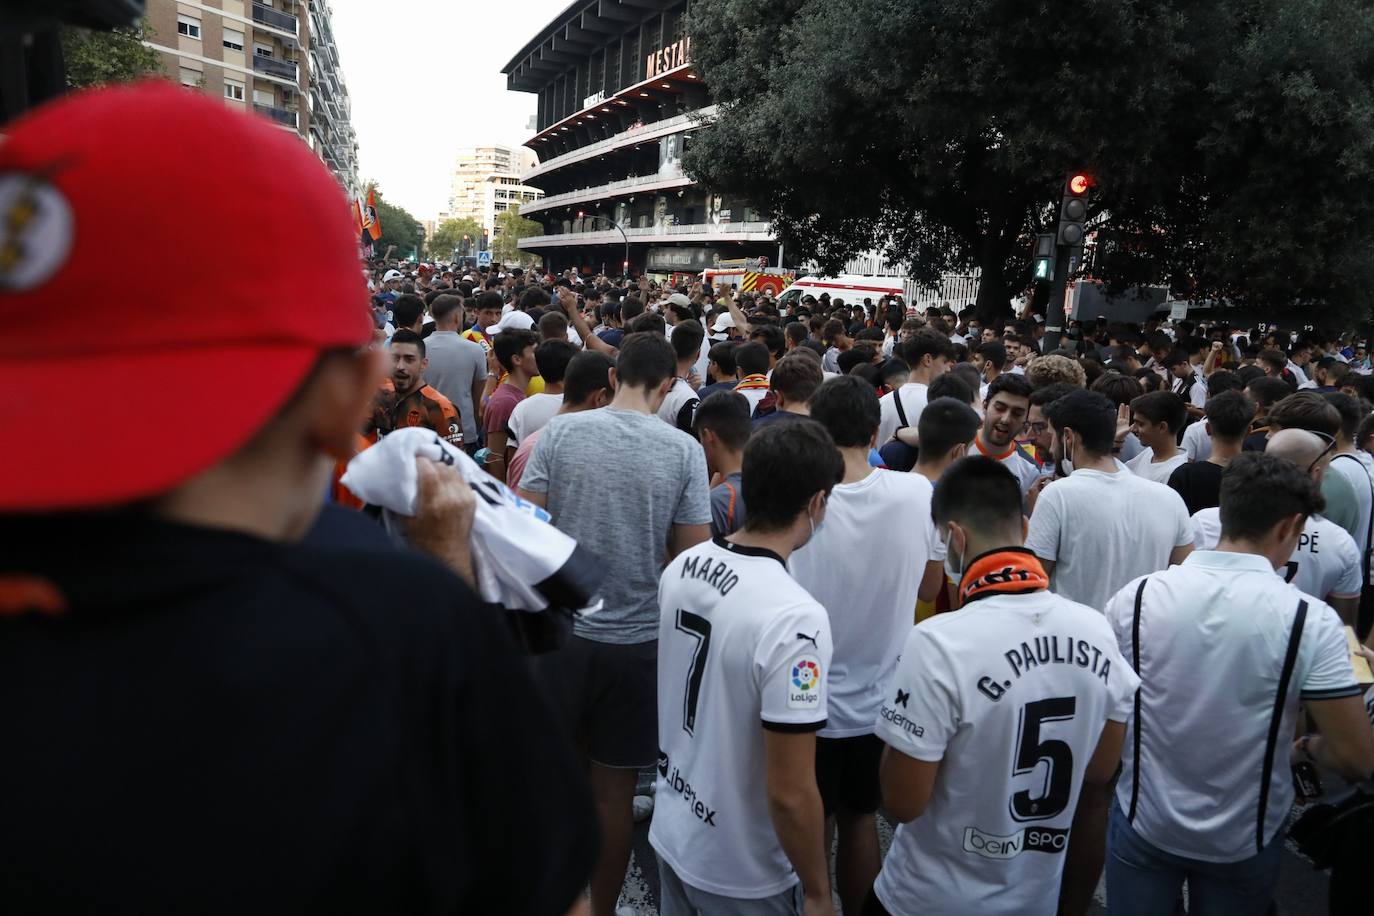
[(424, 79)]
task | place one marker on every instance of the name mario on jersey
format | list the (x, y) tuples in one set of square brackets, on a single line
[(679, 784), (1045, 650), (717, 575)]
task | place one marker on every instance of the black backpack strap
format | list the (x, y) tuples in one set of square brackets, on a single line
[(1290, 659), (1135, 719), (901, 411)]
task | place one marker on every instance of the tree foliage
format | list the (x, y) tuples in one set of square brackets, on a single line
[(1232, 142), (94, 58), (448, 236), (399, 228), (511, 227)]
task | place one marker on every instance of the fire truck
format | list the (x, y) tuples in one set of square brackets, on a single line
[(748, 275)]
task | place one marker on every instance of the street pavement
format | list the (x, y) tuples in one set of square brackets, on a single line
[(1301, 891)]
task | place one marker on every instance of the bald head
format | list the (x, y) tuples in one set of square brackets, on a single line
[(1296, 446)]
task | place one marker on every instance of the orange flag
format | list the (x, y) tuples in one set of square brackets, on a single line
[(371, 223)]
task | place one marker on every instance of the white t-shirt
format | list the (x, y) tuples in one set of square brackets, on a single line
[(1325, 563), (741, 648), (1022, 468), (1197, 445), (914, 396), (680, 396), (1103, 530), (1214, 633), (1144, 465), (871, 604), (1010, 694), (534, 412), (1359, 470)]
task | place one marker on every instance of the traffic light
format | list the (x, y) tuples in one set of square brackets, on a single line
[(1073, 212), (1044, 256)]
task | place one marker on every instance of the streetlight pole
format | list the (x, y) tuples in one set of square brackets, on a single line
[(626, 264)]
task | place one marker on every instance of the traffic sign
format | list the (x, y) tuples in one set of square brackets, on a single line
[(484, 259)]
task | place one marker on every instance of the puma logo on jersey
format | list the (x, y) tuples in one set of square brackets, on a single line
[(902, 697), (811, 639)]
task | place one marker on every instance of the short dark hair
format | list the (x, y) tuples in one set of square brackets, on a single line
[(785, 465), (795, 332), (648, 322), (1247, 374), (723, 355), (848, 408), (980, 494), (1351, 411), (445, 305), (587, 373), (797, 377), (751, 359), (1161, 407), (488, 301), (1266, 390), (646, 361), (1223, 380), (945, 423), (1274, 358), (1013, 384), (534, 297), (1305, 410), (725, 413), (854, 356), (949, 385), (406, 310), (893, 367), (1051, 393), (407, 336), (771, 336), (512, 343), (630, 307), (687, 337), (924, 342), (1258, 491), (1230, 415), (553, 357), (1090, 415), (1119, 389), (993, 352), (553, 326)]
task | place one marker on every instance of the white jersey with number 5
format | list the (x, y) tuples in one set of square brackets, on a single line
[(1010, 695), (741, 648)]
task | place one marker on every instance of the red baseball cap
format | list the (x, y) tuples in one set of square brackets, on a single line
[(189, 264)]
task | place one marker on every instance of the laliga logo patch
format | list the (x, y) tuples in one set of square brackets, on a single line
[(803, 692), (36, 229)]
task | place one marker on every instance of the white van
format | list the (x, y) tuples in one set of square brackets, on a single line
[(852, 288)]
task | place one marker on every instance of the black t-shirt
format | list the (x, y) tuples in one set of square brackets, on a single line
[(203, 722), (1199, 483)]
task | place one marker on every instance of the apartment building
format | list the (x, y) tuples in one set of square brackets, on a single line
[(486, 181)]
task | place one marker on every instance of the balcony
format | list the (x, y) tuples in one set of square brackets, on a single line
[(280, 68), (613, 189), (265, 15), (280, 115), (638, 134), (697, 232)]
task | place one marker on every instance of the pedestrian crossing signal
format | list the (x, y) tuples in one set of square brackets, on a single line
[(1044, 268)]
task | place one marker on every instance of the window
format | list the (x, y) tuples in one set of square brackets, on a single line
[(263, 97), (190, 77), (188, 26), (233, 89), (233, 39), (262, 50)]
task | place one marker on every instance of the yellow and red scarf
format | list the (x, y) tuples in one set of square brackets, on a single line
[(1008, 571), (753, 383)]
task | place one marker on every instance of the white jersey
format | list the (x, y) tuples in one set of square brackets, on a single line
[(1144, 465), (1197, 445), (870, 604), (741, 648), (1010, 694), (1326, 562), (914, 396), (1103, 530), (1205, 771), (679, 408), (1026, 471), (533, 413)]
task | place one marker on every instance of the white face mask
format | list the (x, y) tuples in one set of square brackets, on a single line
[(1066, 462), (955, 573)]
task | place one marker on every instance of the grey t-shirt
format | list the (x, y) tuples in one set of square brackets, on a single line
[(727, 506), (617, 481), (454, 365)]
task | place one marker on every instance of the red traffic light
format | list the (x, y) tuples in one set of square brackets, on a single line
[(1079, 184)]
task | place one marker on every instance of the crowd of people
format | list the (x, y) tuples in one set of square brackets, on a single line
[(1051, 611)]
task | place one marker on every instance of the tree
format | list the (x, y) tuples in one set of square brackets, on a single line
[(399, 228), (511, 227), (448, 236), (94, 58), (1232, 142)]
